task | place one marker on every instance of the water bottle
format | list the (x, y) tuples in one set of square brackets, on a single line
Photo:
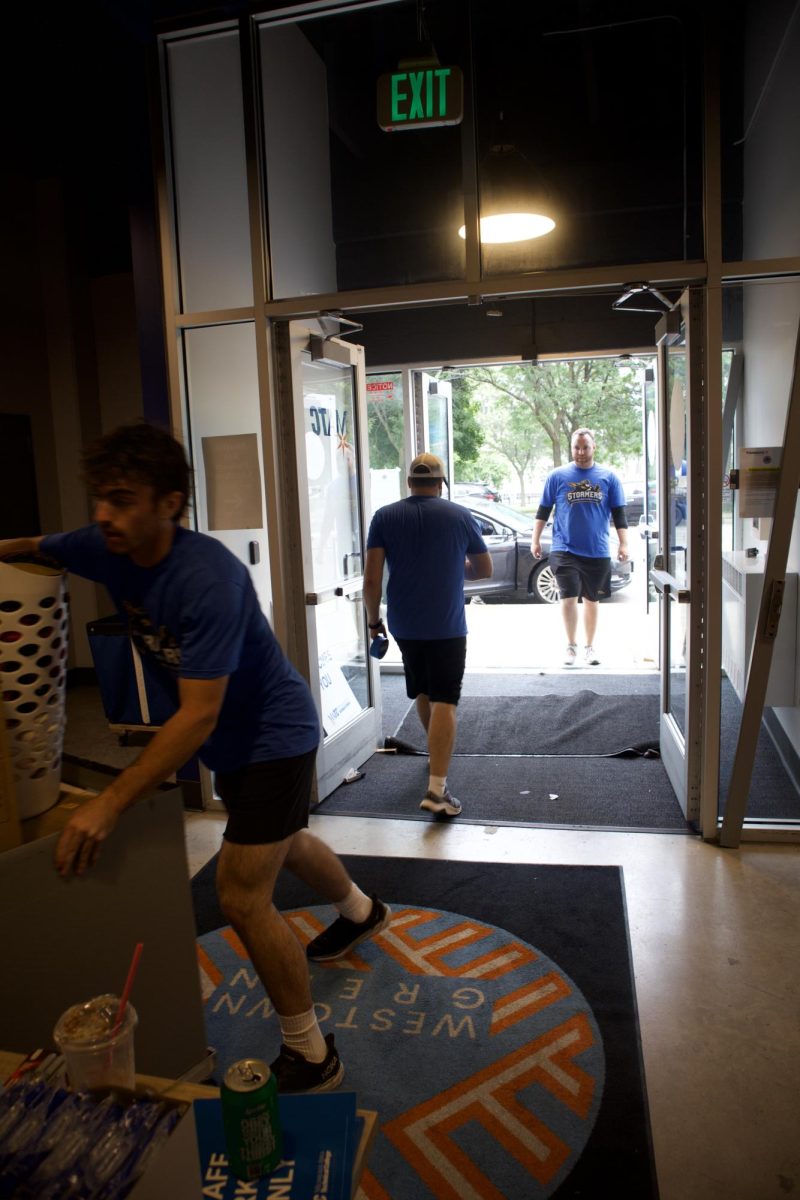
[(379, 645)]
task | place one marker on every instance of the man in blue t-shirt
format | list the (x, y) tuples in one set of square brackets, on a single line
[(430, 547), (239, 704), (586, 496)]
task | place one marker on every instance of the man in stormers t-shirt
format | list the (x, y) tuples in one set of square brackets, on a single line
[(585, 497)]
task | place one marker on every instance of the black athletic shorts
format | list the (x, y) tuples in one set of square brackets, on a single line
[(580, 576), (267, 801), (434, 668)]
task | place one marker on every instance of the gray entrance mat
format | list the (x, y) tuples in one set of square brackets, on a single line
[(584, 723)]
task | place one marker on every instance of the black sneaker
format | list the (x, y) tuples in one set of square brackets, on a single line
[(343, 935), (294, 1073), (445, 805)]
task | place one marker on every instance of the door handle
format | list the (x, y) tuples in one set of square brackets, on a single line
[(669, 587), (341, 589)]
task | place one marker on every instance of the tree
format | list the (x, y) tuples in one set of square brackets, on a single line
[(385, 423), (468, 435), (599, 393)]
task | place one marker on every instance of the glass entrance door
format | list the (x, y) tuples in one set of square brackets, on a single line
[(680, 546), (330, 433)]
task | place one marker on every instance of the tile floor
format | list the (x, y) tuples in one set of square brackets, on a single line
[(715, 939)]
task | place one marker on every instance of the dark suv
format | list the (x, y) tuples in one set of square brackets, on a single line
[(507, 533)]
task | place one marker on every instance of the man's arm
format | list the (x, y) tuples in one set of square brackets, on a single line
[(176, 741), (536, 536), (24, 545), (620, 519), (478, 566), (373, 587)]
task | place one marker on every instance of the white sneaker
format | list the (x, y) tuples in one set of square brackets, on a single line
[(590, 658), (571, 655)]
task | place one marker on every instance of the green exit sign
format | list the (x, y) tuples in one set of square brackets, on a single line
[(420, 97)]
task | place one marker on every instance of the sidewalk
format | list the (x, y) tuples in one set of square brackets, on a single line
[(522, 636)]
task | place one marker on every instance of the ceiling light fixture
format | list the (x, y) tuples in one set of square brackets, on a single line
[(513, 207)]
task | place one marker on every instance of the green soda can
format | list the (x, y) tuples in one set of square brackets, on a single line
[(251, 1119)]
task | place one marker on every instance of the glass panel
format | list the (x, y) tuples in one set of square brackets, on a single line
[(676, 541), (336, 538), (209, 172), (439, 421), (358, 207), (569, 113), (761, 319), (760, 117), (386, 431)]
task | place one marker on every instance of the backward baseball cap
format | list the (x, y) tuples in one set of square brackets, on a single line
[(427, 467)]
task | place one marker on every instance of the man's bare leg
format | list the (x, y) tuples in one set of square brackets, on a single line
[(360, 916), (569, 616), (246, 878), (441, 736), (591, 611)]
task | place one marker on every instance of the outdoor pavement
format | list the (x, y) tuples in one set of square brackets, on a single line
[(517, 635)]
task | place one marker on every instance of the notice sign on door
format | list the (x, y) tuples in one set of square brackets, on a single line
[(339, 703), (759, 472)]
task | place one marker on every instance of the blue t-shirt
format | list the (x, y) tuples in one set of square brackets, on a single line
[(583, 500), (196, 614), (425, 540)]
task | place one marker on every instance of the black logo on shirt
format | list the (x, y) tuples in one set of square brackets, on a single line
[(159, 643), (582, 491)]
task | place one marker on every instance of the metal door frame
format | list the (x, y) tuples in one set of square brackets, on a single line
[(682, 754)]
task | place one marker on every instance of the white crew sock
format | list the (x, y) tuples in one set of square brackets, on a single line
[(437, 784), (303, 1034), (356, 906)]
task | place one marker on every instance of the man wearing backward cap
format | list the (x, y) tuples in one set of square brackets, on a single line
[(430, 547)]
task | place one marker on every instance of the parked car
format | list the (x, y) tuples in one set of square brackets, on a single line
[(483, 491), (507, 533)]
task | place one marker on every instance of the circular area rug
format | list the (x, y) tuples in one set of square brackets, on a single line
[(481, 1057)]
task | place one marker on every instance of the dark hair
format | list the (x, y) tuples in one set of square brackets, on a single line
[(142, 452)]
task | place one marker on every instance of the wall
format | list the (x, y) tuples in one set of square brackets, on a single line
[(70, 362)]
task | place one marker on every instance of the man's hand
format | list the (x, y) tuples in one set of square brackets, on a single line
[(536, 548), (79, 844), (623, 554), (24, 545)]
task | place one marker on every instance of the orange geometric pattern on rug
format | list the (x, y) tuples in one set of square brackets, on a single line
[(428, 955), (210, 974), (525, 1001), (370, 1189), (307, 926), (424, 1134)]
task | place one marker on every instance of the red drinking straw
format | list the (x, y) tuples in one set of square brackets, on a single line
[(126, 991)]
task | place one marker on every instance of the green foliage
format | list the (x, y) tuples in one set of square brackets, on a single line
[(540, 404), (385, 424), (468, 435)]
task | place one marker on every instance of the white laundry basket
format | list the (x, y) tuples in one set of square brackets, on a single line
[(33, 670)]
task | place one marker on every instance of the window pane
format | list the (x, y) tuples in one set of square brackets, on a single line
[(583, 121), (761, 321), (352, 206), (760, 119), (210, 173)]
